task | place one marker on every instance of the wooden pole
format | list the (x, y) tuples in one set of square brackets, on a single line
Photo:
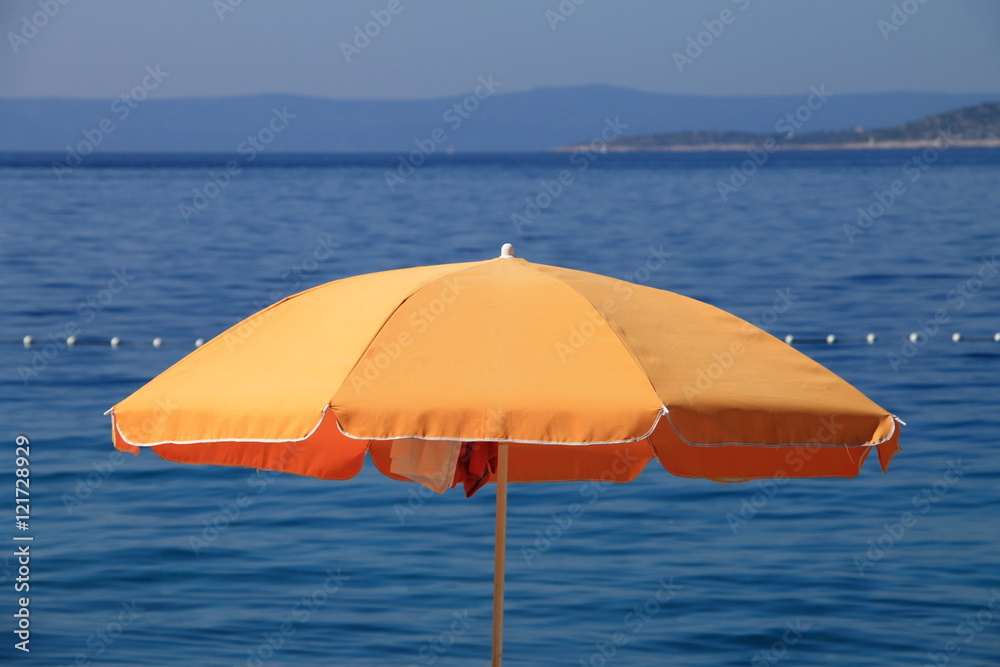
[(499, 555)]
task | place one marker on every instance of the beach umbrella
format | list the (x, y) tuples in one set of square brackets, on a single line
[(503, 371)]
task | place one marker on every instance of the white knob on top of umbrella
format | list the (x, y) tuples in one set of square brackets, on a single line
[(507, 250)]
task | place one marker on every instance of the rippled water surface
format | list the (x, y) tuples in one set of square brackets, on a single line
[(137, 561)]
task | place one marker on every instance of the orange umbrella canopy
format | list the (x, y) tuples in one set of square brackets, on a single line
[(585, 377)]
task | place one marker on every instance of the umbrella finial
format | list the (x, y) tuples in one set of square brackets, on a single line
[(507, 250)]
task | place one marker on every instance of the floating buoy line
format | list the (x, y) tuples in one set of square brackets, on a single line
[(832, 339), (872, 339), (115, 341)]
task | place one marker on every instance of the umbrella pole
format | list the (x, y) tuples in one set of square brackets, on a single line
[(500, 553)]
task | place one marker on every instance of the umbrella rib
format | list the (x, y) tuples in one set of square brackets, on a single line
[(610, 325), (382, 326)]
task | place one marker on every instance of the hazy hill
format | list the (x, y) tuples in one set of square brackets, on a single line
[(523, 121)]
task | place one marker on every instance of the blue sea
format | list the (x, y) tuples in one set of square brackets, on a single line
[(138, 561)]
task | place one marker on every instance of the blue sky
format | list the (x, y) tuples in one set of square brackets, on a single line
[(431, 48)]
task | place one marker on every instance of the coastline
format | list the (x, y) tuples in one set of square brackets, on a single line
[(738, 147)]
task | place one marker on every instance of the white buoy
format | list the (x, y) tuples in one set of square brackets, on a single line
[(789, 339), (71, 341), (157, 342), (871, 338), (996, 337), (914, 337), (28, 340), (831, 339), (507, 250), (955, 337), (199, 342), (116, 341)]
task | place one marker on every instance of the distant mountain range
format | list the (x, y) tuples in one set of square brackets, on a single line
[(488, 119), (975, 126)]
